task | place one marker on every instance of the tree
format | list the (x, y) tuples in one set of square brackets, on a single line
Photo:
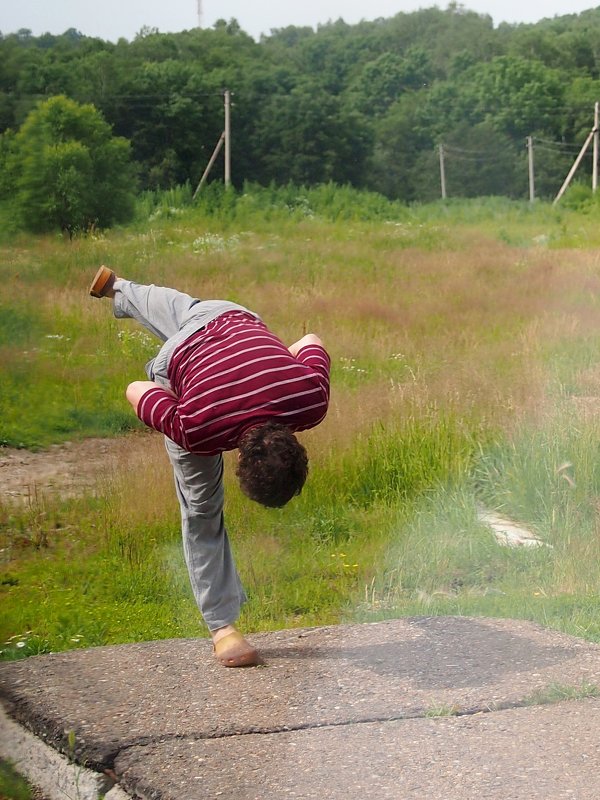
[(173, 118), (519, 95), (64, 168), (363, 103), (308, 136), (398, 142), (382, 81)]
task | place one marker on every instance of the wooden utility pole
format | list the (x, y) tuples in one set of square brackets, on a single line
[(531, 172), (224, 139), (596, 142), (213, 158), (573, 169), (227, 138), (442, 170)]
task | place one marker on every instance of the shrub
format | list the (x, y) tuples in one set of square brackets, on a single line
[(65, 169)]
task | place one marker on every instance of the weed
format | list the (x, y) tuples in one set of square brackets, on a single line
[(442, 711), (557, 693)]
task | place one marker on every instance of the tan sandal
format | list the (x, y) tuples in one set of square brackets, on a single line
[(103, 282), (234, 651)]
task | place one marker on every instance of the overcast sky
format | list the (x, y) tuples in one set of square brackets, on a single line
[(112, 19)]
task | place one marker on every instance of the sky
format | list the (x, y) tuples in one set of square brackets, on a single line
[(112, 19)]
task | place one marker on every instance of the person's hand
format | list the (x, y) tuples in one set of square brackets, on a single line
[(310, 338)]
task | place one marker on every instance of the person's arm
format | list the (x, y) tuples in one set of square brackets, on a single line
[(136, 390), (310, 338), (158, 408)]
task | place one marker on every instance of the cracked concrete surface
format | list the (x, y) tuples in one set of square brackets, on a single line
[(419, 707)]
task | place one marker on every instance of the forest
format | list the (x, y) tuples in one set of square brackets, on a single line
[(366, 105)]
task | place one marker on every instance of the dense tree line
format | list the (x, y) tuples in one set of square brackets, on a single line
[(365, 104)]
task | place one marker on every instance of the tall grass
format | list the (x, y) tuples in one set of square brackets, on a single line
[(463, 340), (443, 559)]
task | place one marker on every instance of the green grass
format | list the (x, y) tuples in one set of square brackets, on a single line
[(463, 339), (443, 560), (12, 785), (558, 693)]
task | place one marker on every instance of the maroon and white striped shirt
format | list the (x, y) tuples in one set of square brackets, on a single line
[(232, 375)]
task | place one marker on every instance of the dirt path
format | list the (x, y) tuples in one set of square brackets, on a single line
[(66, 469), (74, 467)]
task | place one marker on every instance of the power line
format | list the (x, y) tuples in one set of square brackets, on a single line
[(555, 145)]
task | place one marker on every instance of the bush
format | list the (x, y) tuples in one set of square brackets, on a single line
[(65, 169)]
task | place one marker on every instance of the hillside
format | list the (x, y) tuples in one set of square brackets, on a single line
[(365, 104)]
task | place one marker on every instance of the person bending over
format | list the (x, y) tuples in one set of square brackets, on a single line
[(221, 381)]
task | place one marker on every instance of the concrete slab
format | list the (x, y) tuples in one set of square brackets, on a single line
[(55, 775), (543, 753), (509, 533), (139, 698)]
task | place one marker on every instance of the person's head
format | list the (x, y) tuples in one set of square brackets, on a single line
[(272, 465)]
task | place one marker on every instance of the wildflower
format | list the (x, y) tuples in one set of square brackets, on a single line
[(349, 365), (212, 242), (21, 644)]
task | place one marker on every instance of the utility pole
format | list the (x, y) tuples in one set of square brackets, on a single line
[(227, 138), (442, 170), (224, 139), (209, 166), (531, 173), (596, 142), (573, 169), (592, 137)]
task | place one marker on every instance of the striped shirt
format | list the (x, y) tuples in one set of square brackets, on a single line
[(232, 375)]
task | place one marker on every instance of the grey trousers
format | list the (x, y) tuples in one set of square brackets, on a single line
[(173, 316)]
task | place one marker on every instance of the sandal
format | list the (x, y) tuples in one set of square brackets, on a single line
[(103, 282), (234, 651)]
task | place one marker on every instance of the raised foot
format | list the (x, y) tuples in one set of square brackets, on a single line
[(103, 283)]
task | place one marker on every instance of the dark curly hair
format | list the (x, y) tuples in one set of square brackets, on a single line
[(272, 465)]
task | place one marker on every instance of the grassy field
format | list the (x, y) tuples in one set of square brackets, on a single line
[(464, 340)]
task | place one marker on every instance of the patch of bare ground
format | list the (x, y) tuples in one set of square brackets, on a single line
[(68, 469)]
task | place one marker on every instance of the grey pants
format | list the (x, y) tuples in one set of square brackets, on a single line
[(173, 316)]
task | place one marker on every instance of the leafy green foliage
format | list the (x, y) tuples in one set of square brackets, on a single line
[(365, 104), (67, 170)]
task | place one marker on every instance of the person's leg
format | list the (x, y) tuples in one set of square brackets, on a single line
[(161, 310), (164, 312), (214, 578), (213, 575), (170, 315)]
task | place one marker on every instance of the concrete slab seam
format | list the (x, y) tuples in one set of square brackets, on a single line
[(36, 759), (452, 711)]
